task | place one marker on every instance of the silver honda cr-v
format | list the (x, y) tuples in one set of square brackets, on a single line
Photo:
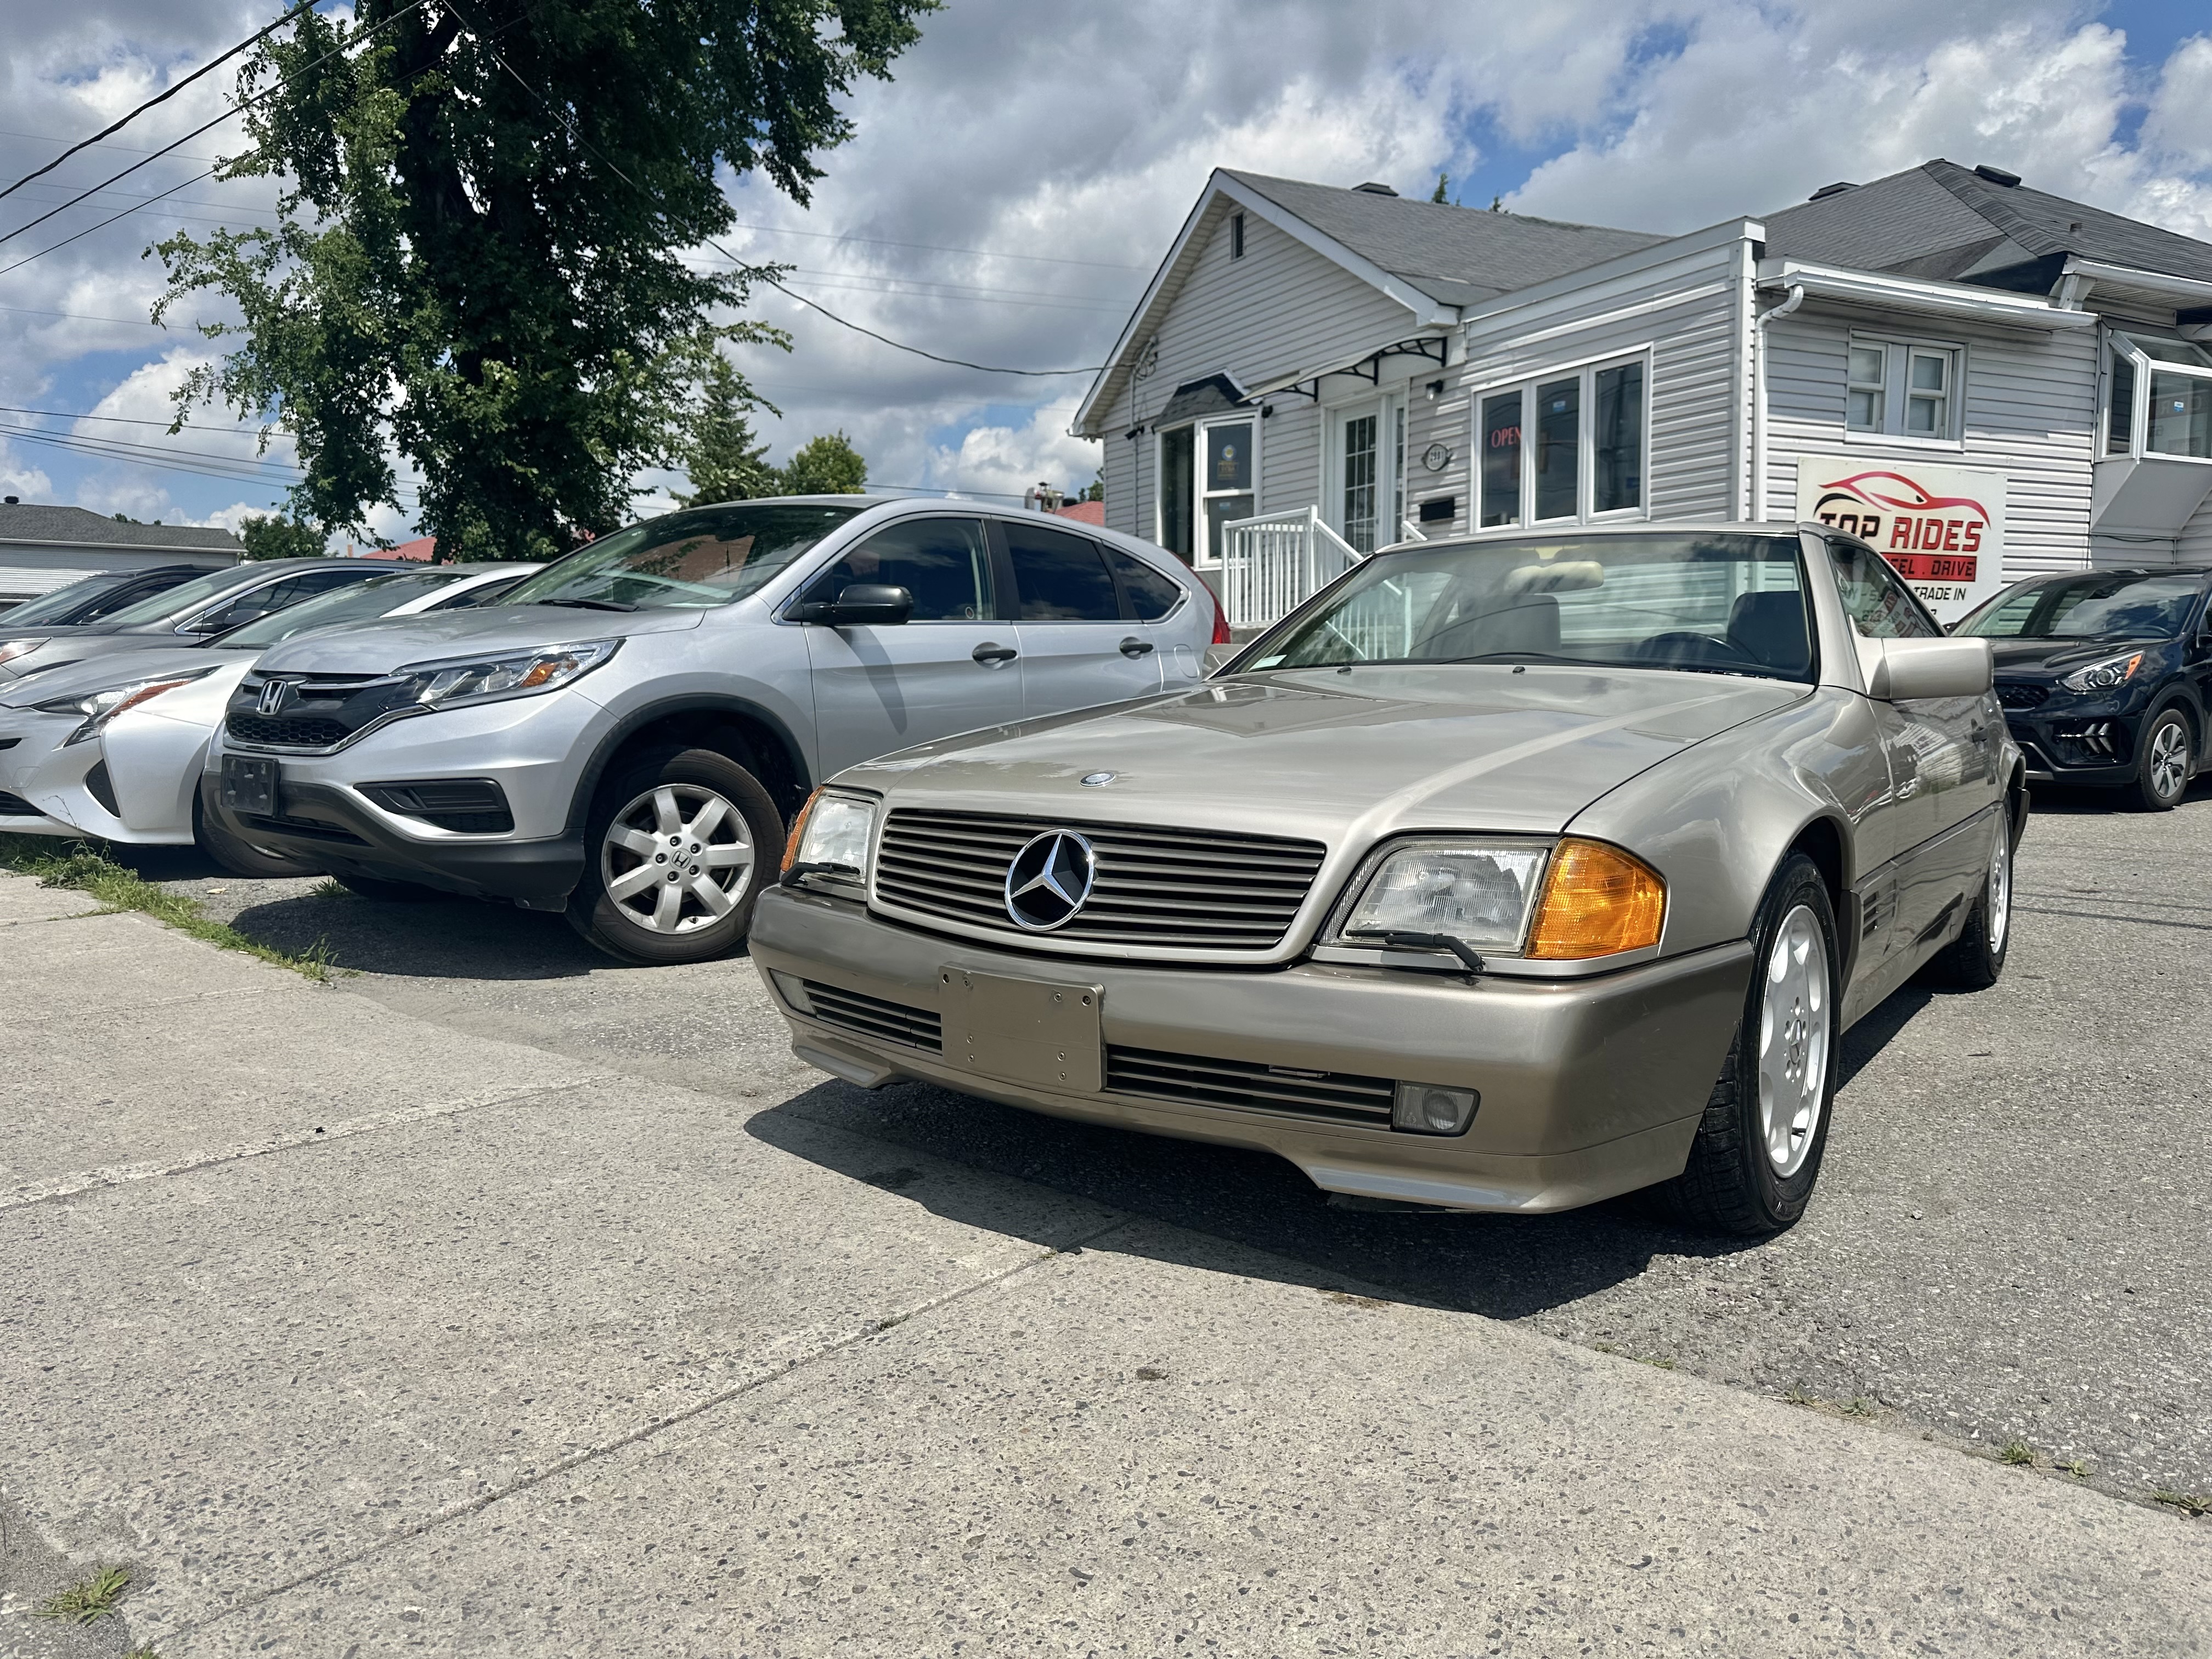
[(626, 735)]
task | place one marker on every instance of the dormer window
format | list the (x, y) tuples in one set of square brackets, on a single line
[(1236, 235), (2158, 397)]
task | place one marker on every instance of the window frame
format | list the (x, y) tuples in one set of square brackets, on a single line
[(996, 571), (2121, 343), (1198, 427), (1584, 371), (1898, 395), (1390, 416), (1007, 585)]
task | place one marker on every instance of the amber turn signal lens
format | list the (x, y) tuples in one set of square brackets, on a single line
[(1598, 901), (797, 831)]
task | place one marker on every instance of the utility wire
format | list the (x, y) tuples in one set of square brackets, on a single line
[(369, 33), (102, 225), (755, 272), (159, 98)]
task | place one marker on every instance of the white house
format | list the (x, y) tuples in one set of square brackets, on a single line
[(43, 548), (1985, 380)]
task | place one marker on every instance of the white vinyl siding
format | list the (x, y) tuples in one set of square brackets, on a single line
[(2029, 411), (2194, 545)]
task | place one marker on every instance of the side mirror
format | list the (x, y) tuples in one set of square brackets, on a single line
[(861, 602), (1906, 669)]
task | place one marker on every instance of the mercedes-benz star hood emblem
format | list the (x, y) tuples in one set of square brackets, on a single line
[(1098, 780), (1049, 880)]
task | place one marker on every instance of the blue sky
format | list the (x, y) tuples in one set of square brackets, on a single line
[(1008, 194)]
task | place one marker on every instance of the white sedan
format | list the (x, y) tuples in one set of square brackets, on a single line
[(113, 748)]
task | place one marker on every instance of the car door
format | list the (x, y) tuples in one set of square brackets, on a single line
[(950, 667), (1080, 645), (1942, 753)]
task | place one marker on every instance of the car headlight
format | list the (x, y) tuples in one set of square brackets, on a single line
[(830, 835), (11, 649), (455, 680), (100, 707), (2106, 676), (1563, 901)]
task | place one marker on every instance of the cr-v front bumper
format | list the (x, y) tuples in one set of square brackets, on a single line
[(1589, 1087)]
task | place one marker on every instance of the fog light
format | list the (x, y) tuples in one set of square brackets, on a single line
[(792, 989), (1423, 1108)]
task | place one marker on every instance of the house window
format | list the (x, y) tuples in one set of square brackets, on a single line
[(1236, 235), (1567, 446), (1176, 451), (2161, 388), (1902, 387), (1225, 489), (1361, 470)]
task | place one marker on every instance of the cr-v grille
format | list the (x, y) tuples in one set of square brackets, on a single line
[(1198, 1081), (894, 1022), (317, 711), (1155, 885)]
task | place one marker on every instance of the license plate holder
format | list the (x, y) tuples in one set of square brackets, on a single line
[(1042, 1032), (250, 785)]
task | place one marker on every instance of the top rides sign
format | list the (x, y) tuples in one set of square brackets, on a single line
[(1941, 527)]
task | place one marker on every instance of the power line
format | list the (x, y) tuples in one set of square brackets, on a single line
[(102, 225), (369, 33), (158, 97), (901, 345)]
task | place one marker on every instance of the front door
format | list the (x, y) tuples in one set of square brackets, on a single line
[(952, 667), (1079, 646)]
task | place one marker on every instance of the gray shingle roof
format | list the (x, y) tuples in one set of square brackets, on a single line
[(1946, 221), (1458, 256), (26, 522)]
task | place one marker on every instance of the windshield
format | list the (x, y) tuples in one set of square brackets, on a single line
[(2115, 604), (181, 598), (1721, 605), (709, 556), (378, 596), (60, 602)]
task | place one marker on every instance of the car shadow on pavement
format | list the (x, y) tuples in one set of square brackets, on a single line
[(438, 938), (1505, 1266)]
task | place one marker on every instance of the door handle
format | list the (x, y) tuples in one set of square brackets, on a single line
[(990, 653), (1133, 647)]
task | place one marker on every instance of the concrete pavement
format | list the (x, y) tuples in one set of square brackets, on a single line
[(524, 1354)]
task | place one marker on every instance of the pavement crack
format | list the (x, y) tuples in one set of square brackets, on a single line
[(721, 1397)]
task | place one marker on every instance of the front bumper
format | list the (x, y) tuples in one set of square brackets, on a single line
[(42, 777), (2095, 750), (1589, 1087)]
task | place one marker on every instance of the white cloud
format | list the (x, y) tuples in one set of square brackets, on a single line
[(1005, 460)]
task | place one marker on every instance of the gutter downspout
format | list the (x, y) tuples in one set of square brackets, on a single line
[(1758, 396)]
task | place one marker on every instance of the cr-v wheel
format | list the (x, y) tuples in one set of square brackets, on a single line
[(678, 843)]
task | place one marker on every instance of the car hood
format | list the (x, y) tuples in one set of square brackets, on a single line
[(2035, 658), (82, 645), (377, 647), (1322, 754), (97, 674)]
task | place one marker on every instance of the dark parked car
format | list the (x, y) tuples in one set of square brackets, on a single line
[(2105, 677), (97, 597)]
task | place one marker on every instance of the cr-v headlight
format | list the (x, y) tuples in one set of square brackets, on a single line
[(455, 680), (98, 707), (1566, 901)]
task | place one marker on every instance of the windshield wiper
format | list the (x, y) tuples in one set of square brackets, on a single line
[(591, 604)]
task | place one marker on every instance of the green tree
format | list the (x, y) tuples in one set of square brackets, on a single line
[(1442, 192), (280, 538), (477, 267), (828, 466), (723, 462), (1096, 489)]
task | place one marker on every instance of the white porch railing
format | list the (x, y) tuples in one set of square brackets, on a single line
[(1272, 564)]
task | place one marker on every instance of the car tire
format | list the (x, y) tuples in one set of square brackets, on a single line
[(242, 858), (2162, 762), (650, 903), (1972, 960), (1757, 1152), (387, 891)]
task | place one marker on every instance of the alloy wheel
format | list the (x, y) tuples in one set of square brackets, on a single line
[(677, 859), (2000, 898), (1793, 1040), (2169, 759)]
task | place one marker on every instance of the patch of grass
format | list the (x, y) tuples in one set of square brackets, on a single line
[(79, 866), (2187, 1503), (86, 1601), (1798, 1397), (2018, 1453), (330, 888), (2076, 1468), (1860, 1407)]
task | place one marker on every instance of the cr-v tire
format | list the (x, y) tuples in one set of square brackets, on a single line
[(2163, 766), (676, 847), (1757, 1153), (242, 858)]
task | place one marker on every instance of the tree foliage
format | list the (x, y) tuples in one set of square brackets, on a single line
[(280, 538), (477, 263), (826, 465), (1441, 193), (721, 458)]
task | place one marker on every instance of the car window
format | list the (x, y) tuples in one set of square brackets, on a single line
[(1879, 605), (1152, 593), (708, 556), (2111, 603), (171, 602), (944, 563), (277, 596), (483, 594), (79, 602), (377, 596), (1059, 577)]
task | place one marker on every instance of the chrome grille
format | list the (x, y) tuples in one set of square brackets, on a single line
[(2014, 694), (893, 1022), (326, 711), (1195, 1080), (1161, 886)]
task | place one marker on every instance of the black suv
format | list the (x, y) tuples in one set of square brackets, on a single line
[(2105, 677)]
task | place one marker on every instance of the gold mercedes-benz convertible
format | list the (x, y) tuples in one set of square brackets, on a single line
[(1507, 873)]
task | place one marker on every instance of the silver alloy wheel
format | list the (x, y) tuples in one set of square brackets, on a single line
[(1793, 1040), (2169, 759), (677, 859), (2000, 896)]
